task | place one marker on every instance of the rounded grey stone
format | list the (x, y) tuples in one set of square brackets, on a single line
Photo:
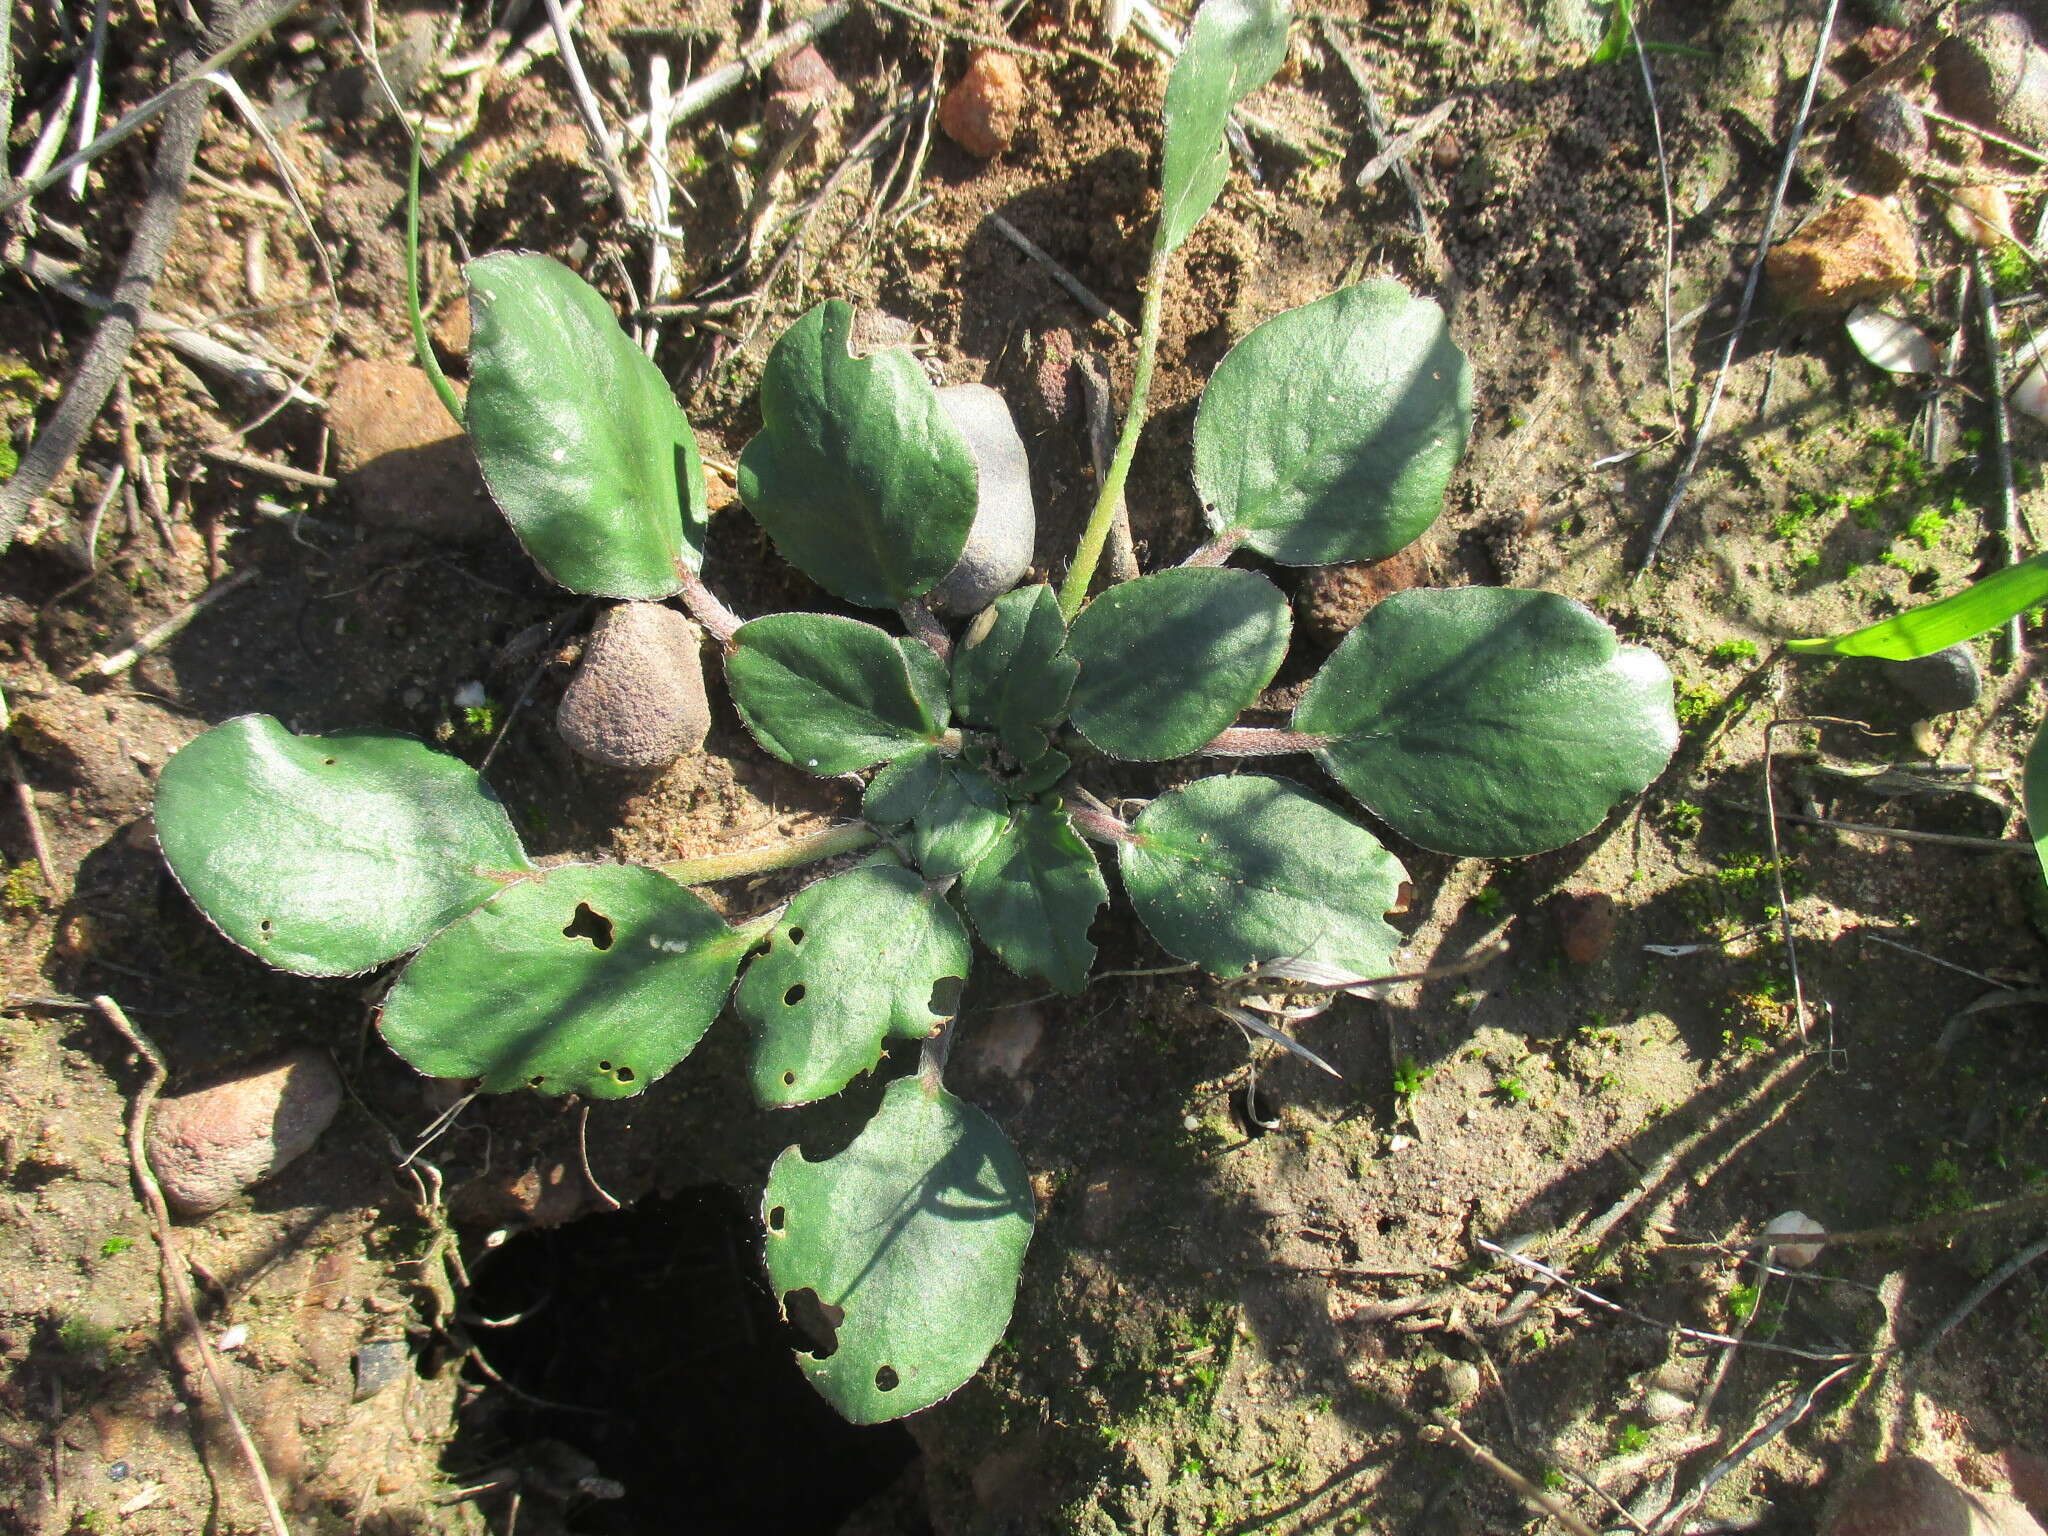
[(637, 698), (1942, 683), (1994, 73), (1005, 529), (209, 1145)]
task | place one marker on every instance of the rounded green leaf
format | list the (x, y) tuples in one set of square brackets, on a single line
[(1487, 721), (829, 694), (590, 978), (581, 443), (1168, 660), (859, 476), (902, 788), (865, 955), (1233, 48), (913, 1238), (1330, 432), (1033, 896), (327, 855), (1232, 872)]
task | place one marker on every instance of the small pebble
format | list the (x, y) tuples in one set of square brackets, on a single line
[(1586, 922), (1992, 72), (1942, 683), (983, 110), (1892, 134), (379, 1363), (1457, 1382), (209, 1145), (1005, 526), (1793, 1255), (1910, 1497), (637, 698), (1662, 1407), (1858, 251)]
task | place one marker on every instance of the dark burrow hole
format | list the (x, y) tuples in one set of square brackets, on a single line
[(660, 1318)]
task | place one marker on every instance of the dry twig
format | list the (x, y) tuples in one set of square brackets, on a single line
[(176, 1278)]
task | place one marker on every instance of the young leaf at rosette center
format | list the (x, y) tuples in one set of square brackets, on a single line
[(828, 694), (961, 821), (914, 1236), (327, 855), (591, 978), (865, 955), (1034, 895), (928, 679), (1330, 432), (1011, 673), (1229, 872), (900, 790), (1169, 659), (1233, 48), (1487, 721), (580, 441), (861, 479)]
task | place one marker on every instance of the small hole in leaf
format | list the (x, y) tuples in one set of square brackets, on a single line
[(794, 995), (886, 1378), (815, 1319), (604, 1066), (945, 998), (328, 761), (625, 1074), (796, 935), (535, 1081), (789, 1079), (589, 923), (266, 926), (777, 1218)]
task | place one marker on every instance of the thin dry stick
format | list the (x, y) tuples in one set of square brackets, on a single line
[(1977, 1297), (1904, 834), (1699, 1335), (1670, 221), (2024, 151), (1376, 125), (660, 260), (1123, 549), (1417, 133), (703, 91), (150, 640), (89, 91), (27, 798), (1749, 286), (1080, 292), (176, 1281), (594, 129), (1870, 1237), (1539, 1499), (583, 1154), (290, 474), (1783, 1420), (2008, 530), (1778, 881)]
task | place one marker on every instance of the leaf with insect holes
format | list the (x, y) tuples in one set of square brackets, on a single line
[(911, 1241), (581, 443), (1489, 722), (1976, 610), (859, 476), (1011, 673), (1232, 872), (865, 955), (1330, 432), (1034, 894), (831, 694), (588, 978), (327, 855), (1169, 659), (1233, 48)]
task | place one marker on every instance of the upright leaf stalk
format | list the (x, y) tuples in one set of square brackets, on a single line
[(1088, 552)]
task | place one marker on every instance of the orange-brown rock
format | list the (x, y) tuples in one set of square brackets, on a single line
[(1333, 598), (1853, 254), (403, 462), (985, 107)]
